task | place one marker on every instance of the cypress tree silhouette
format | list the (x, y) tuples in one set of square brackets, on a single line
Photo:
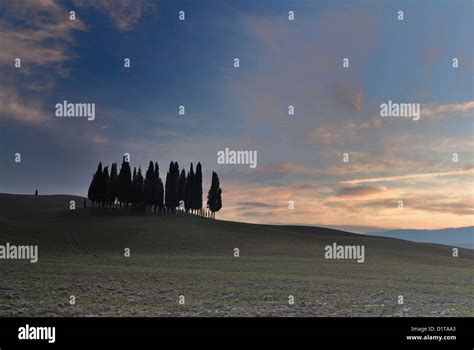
[(197, 190), (214, 197), (134, 187), (158, 190), (167, 190), (104, 184), (149, 194), (189, 189), (182, 187), (171, 187), (139, 195), (125, 184), (175, 184), (149, 185), (112, 189), (93, 192), (161, 196)]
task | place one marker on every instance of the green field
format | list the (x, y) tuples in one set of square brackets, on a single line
[(81, 253)]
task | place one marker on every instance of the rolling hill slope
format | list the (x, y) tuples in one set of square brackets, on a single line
[(81, 252)]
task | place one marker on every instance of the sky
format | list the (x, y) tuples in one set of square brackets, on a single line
[(282, 62)]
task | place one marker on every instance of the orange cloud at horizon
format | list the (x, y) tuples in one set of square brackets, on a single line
[(411, 176), (375, 206)]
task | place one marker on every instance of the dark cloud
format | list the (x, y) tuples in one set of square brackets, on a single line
[(350, 98), (124, 14), (359, 192), (256, 205)]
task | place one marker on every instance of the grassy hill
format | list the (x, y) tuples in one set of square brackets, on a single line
[(81, 253)]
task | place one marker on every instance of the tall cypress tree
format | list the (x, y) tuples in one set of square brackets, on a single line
[(167, 190), (104, 184), (112, 190), (157, 171), (182, 187), (175, 184), (149, 185), (158, 191), (139, 194), (125, 183), (189, 189), (214, 197), (197, 189), (93, 192), (161, 194), (134, 187), (171, 187)]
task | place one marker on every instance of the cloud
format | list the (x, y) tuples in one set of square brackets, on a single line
[(285, 168), (40, 33), (257, 205), (350, 98), (458, 207), (359, 192), (337, 133), (436, 111), (424, 207), (463, 172), (95, 138), (19, 109), (301, 69), (124, 14), (412, 205)]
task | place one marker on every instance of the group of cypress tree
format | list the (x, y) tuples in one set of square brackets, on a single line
[(129, 190)]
